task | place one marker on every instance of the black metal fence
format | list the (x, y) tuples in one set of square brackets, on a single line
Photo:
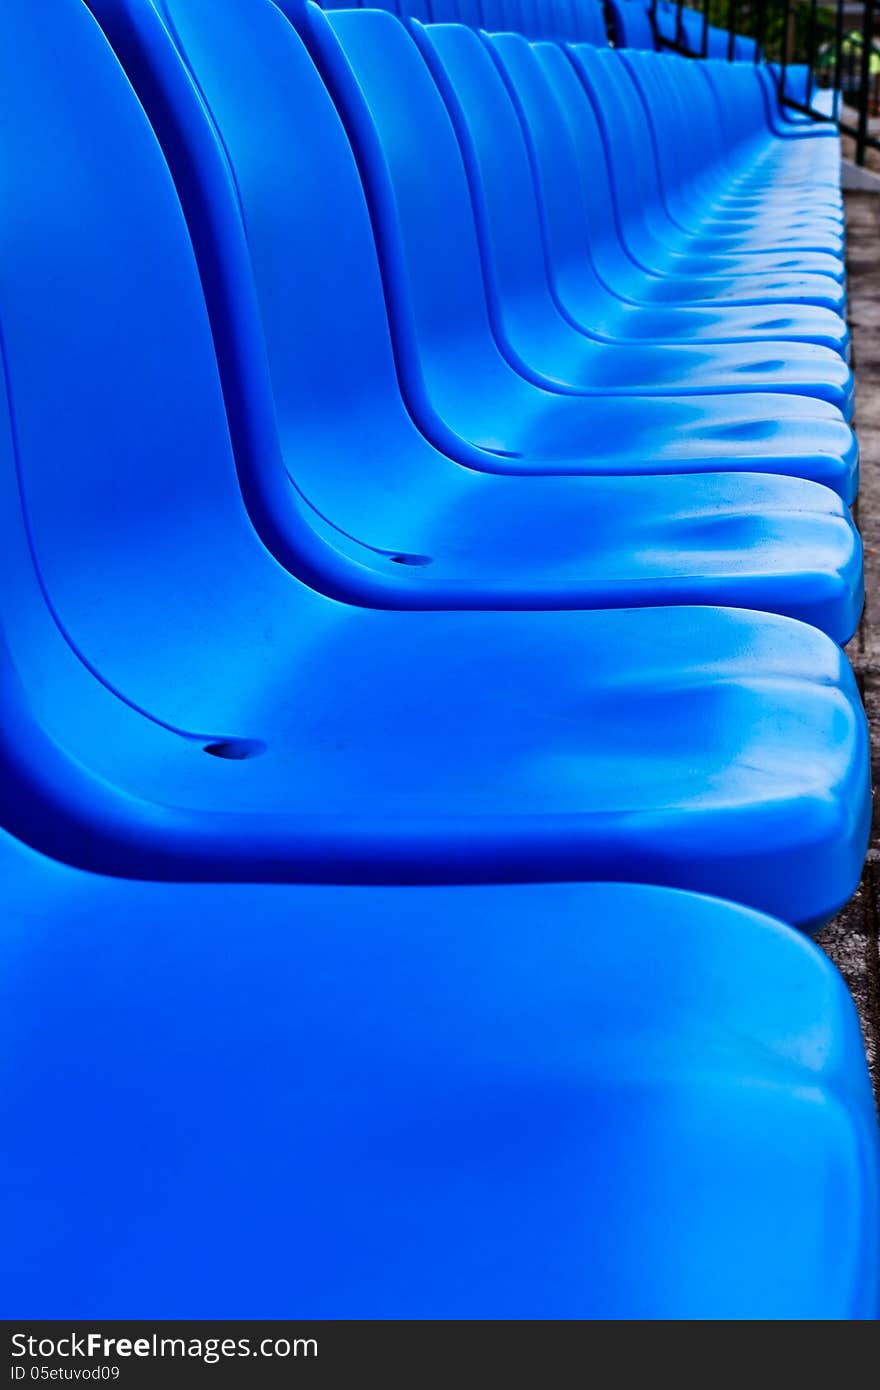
[(825, 58)]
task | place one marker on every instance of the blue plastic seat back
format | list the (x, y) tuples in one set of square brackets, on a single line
[(688, 90), (433, 11), (312, 259), (559, 20), (679, 99), (624, 132), (666, 20), (494, 16), (590, 22), (691, 27), (462, 11), (410, 159), (796, 80), (672, 102), (631, 25), (530, 18), (573, 210), (745, 49), (543, 20), (141, 511), (513, 16), (476, 1109), (670, 97), (740, 99), (718, 43), (580, 118), (499, 171), (443, 11)]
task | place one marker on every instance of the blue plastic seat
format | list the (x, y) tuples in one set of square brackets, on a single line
[(263, 851), (471, 539), (823, 102), (513, 15), (747, 94), (539, 19), (780, 121), (537, 339), (694, 34), (441, 11), (574, 102), (691, 195), (662, 245), (590, 22), (723, 161), (746, 49), (631, 24), (592, 278), (459, 385), (708, 182), (749, 107), (559, 19), (651, 426), (524, 13), (797, 86), (665, 17), (177, 706), (700, 38), (418, 1078), (492, 13), (744, 161), (626, 245)]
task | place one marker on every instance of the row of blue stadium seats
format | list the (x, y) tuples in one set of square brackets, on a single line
[(326, 339), (633, 26), (575, 21), (580, 490), (676, 25), (562, 20)]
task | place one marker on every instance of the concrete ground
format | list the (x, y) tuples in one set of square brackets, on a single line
[(851, 940), (848, 144)]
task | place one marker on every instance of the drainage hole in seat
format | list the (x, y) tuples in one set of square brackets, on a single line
[(235, 750), (410, 559)]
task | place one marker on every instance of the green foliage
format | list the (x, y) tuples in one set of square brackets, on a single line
[(767, 23)]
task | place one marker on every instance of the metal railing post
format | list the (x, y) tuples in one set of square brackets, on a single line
[(838, 55), (811, 52), (852, 69), (760, 30), (865, 79), (783, 58)]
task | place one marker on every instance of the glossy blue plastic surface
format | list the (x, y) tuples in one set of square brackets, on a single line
[(475, 540), (699, 185), (665, 13), (631, 24), (592, 279), (178, 706), (460, 388), (558, 1101), (535, 337), (652, 239), (298, 1016), (743, 171)]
